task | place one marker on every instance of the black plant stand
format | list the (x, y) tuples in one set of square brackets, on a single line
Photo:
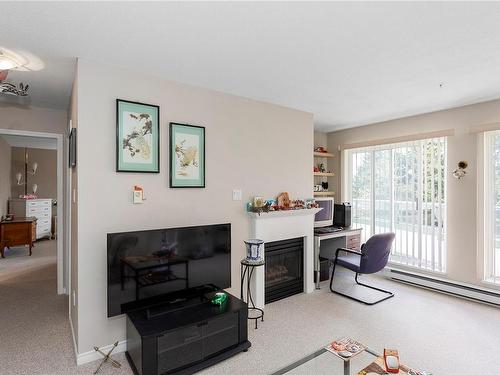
[(246, 270)]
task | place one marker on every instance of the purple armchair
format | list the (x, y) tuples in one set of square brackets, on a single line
[(372, 258)]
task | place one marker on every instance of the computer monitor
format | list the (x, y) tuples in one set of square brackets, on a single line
[(324, 218)]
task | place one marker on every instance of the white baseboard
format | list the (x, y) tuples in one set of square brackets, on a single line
[(92, 355), (462, 290)]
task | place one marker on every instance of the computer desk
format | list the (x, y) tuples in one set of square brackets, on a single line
[(325, 245)]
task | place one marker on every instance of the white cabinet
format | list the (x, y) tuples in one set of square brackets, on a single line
[(39, 208)]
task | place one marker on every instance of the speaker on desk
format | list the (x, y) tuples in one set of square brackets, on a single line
[(342, 215)]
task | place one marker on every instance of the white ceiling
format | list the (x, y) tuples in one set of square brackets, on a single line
[(347, 63)]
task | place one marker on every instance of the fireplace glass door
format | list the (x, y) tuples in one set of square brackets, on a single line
[(284, 268)]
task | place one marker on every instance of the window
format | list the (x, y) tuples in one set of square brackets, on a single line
[(401, 188), (492, 207)]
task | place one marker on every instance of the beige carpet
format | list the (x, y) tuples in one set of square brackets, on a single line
[(432, 331), (35, 335), (17, 261)]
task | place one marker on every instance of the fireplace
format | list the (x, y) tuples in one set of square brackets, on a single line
[(284, 270), (276, 226)]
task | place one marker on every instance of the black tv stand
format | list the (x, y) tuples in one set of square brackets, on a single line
[(185, 336), (171, 306)]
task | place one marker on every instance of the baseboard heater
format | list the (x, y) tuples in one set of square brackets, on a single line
[(445, 286)]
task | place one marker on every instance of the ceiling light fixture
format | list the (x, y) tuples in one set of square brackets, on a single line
[(16, 60), (10, 60), (19, 60), (12, 89)]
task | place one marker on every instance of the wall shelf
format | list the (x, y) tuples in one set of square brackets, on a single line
[(324, 174), (323, 155), (324, 193)]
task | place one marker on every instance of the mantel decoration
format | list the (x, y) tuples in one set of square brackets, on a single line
[(137, 137), (187, 156), (281, 203)]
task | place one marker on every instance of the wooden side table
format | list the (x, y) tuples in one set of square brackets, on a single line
[(17, 232)]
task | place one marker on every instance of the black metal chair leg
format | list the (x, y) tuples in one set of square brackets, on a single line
[(390, 294), (331, 278)]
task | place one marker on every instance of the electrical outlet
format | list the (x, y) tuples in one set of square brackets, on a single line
[(237, 195), (74, 195), (74, 298)]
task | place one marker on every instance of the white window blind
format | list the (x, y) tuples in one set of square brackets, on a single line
[(401, 188), (492, 205)]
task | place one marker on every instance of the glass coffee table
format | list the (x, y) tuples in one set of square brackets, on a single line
[(323, 362)]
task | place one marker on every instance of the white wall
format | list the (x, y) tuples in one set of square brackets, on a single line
[(260, 148), (462, 194), (320, 139), (5, 180), (45, 177), (32, 118)]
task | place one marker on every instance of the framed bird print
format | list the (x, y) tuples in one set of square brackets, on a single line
[(187, 156), (137, 137)]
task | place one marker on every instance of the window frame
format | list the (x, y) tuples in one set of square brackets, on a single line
[(486, 208)]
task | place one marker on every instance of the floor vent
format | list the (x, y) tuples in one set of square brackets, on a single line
[(444, 286)]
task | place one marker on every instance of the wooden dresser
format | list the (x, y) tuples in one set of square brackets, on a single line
[(17, 232), (41, 209)]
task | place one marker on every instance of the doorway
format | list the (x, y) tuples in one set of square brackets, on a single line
[(36, 178)]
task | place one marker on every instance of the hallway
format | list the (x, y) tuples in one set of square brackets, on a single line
[(35, 333)]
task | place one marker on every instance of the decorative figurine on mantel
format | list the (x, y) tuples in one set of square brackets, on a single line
[(259, 205), (284, 201)]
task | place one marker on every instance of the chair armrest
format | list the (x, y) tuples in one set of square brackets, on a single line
[(347, 250)]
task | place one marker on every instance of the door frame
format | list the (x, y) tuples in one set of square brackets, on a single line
[(62, 252)]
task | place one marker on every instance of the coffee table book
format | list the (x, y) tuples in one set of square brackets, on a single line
[(346, 341)]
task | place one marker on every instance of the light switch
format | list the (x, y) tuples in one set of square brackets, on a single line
[(236, 195)]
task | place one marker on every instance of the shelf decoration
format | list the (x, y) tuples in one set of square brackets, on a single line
[(320, 149), (320, 170)]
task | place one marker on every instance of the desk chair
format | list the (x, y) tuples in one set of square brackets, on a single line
[(372, 258)]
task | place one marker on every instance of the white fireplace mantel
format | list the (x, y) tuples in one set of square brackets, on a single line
[(284, 213), (282, 225)]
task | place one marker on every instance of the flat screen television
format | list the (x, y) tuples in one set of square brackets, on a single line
[(151, 264)]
